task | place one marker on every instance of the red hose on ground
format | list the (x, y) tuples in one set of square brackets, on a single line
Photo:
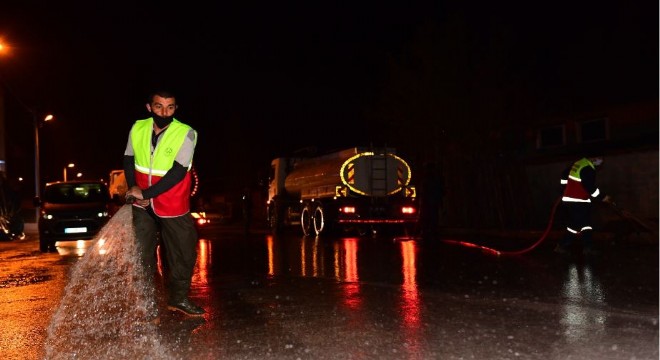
[(518, 252)]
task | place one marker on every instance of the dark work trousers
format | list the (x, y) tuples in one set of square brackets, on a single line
[(578, 223), (179, 239)]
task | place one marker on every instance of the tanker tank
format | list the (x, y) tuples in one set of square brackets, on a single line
[(359, 169)]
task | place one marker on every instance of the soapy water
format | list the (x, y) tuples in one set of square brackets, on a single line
[(109, 308)]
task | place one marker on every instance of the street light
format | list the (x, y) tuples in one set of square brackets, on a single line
[(37, 181), (68, 166), (6, 50)]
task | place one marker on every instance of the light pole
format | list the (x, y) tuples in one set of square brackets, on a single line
[(68, 166), (37, 180), (4, 49)]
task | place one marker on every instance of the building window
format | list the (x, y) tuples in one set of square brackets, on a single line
[(552, 136), (593, 130)]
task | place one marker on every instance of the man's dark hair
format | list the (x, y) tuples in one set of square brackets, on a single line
[(162, 93)]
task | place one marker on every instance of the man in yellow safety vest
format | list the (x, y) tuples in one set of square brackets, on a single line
[(157, 165), (579, 191)]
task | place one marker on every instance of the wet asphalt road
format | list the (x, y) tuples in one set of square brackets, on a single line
[(289, 297)]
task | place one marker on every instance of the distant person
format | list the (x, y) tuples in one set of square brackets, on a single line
[(579, 192), (157, 163)]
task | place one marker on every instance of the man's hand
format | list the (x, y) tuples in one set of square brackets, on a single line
[(135, 196), (135, 192)]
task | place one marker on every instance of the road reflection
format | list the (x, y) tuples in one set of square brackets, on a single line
[(410, 302), (346, 270), (580, 288), (75, 248), (200, 277), (353, 262), (337, 259)]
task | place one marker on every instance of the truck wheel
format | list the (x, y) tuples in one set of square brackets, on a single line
[(319, 220), (306, 220)]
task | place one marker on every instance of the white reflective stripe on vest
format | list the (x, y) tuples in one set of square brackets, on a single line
[(158, 172), (142, 169), (146, 170)]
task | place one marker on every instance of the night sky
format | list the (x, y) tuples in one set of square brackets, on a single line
[(261, 79)]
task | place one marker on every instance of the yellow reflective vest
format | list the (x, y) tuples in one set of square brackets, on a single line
[(578, 187)]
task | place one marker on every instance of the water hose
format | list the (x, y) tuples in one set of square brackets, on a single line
[(517, 252)]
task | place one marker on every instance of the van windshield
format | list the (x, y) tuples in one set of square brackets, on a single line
[(76, 193)]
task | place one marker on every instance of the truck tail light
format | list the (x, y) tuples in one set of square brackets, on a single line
[(408, 210), (348, 209)]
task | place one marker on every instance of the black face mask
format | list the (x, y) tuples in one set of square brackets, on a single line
[(160, 121)]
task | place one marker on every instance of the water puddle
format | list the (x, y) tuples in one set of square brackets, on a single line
[(26, 277), (108, 307)]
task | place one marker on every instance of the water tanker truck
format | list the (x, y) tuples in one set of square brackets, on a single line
[(360, 189)]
